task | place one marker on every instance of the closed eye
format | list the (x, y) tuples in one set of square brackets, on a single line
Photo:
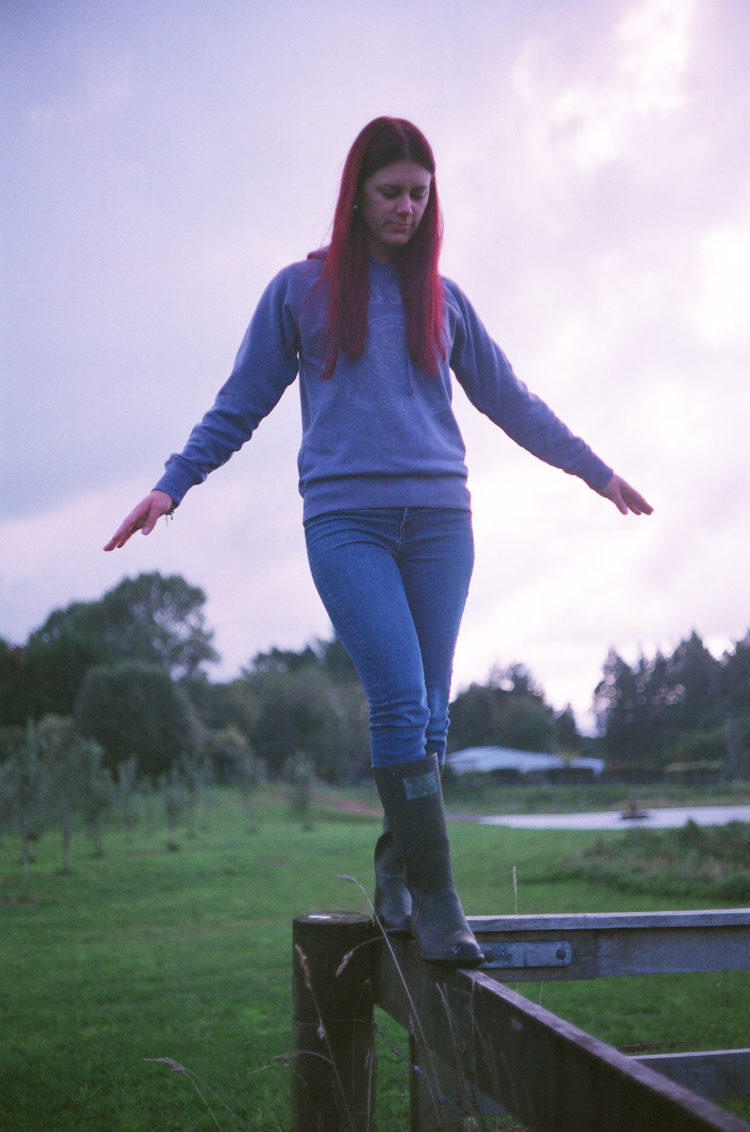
[(390, 192)]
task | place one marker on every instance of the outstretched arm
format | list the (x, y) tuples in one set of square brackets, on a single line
[(625, 498), (143, 517)]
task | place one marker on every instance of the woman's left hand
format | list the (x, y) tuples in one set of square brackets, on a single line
[(625, 498)]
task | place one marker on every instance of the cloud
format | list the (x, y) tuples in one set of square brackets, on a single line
[(656, 37), (719, 310), (585, 109)]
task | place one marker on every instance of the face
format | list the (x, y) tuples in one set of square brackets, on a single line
[(392, 204)]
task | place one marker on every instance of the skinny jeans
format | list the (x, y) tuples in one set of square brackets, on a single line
[(394, 583)]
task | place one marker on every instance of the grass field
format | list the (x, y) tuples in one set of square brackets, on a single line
[(185, 954)]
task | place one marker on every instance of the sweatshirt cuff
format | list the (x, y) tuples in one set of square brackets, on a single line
[(597, 474), (176, 480)]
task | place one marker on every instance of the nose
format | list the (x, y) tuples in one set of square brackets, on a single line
[(405, 205)]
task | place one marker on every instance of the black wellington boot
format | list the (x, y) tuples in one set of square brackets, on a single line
[(413, 803), (392, 897)]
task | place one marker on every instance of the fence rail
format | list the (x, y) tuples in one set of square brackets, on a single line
[(476, 1046), (618, 943)]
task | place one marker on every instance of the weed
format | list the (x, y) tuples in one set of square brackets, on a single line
[(692, 860), (196, 1082)]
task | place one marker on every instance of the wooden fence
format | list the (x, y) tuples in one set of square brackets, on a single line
[(477, 1047)]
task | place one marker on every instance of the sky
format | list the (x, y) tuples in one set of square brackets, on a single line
[(163, 161)]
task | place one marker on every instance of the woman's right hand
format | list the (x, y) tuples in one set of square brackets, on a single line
[(143, 517)]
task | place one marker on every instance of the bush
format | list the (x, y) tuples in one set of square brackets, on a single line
[(687, 862), (136, 709), (697, 773)]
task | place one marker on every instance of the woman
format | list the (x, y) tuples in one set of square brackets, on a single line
[(373, 332)]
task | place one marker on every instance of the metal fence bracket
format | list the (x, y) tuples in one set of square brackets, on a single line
[(526, 954)]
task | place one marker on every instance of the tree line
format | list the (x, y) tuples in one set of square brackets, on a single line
[(687, 711), (129, 673)]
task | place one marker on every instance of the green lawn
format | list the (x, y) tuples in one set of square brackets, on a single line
[(185, 954)]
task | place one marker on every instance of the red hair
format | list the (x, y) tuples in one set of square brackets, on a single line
[(382, 142)]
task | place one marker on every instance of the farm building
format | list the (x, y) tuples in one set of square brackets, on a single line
[(511, 765)]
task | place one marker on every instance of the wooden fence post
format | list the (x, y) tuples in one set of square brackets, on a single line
[(333, 1084)]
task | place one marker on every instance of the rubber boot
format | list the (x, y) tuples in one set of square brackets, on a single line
[(392, 897), (413, 803)]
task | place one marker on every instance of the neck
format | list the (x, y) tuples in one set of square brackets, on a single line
[(379, 253)]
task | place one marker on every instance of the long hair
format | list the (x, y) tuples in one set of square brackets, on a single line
[(346, 271)]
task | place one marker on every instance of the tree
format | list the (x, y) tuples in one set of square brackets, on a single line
[(10, 738), (24, 792), (694, 676), (60, 750), (734, 681), (57, 657), (651, 712), (159, 620), (517, 680), (79, 784), (176, 798), (136, 709), (510, 711), (231, 761), (226, 751), (151, 618), (281, 661), (299, 772), (233, 704), (619, 701), (307, 710), (97, 796), (336, 661), (13, 685), (734, 686), (568, 740), (126, 797), (310, 701)]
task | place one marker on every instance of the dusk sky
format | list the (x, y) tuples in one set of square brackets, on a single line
[(163, 160)]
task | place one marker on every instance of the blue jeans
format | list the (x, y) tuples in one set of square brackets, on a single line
[(394, 583)]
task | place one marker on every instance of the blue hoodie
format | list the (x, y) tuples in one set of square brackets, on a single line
[(379, 432)]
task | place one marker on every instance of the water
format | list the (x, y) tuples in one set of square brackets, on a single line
[(670, 818)]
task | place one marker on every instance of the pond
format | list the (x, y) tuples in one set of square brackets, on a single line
[(668, 818)]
